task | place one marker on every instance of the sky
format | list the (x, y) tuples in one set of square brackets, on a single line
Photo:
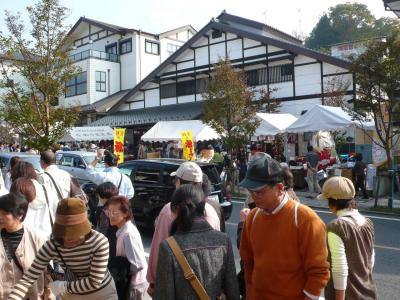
[(156, 16)]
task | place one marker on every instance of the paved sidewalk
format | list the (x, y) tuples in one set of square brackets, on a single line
[(311, 200)]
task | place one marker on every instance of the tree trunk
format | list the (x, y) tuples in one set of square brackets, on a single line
[(391, 174)]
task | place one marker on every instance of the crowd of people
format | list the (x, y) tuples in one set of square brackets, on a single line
[(52, 248)]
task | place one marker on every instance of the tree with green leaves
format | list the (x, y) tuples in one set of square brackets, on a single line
[(321, 35), (348, 22), (229, 107), (34, 69), (378, 88)]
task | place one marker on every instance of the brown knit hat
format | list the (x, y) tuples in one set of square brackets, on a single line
[(71, 219)]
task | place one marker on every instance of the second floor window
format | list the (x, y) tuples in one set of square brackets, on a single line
[(125, 46), (100, 81), (77, 85), (112, 48), (171, 48), (152, 47)]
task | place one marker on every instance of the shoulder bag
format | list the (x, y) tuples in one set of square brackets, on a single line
[(187, 270)]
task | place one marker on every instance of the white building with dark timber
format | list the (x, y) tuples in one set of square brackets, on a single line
[(112, 60), (271, 58)]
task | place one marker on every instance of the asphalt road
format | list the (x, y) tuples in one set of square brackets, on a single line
[(387, 248)]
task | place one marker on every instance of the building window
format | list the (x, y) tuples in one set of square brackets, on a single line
[(112, 48), (125, 46), (100, 81), (216, 34), (168, 90), (280, 73), (184, 88), (76, 86), (152, 47), (202, 85), (171, 48)]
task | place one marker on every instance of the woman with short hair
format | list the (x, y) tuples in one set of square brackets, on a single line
[(19, 245), (129, 245)]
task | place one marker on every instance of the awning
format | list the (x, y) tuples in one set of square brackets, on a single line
[(326, 118), (96, 133), (165, 131), (272, 124), (151, 115)]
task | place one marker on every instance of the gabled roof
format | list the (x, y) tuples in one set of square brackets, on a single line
[(124, 30), (179, 29), (103, 105), (228, 17), (215, 24)]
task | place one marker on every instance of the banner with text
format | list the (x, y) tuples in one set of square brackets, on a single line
[(187, 145), (119, 136)]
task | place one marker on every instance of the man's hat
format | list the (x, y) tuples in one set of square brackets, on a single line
[(337, 188), (71, 219), (189, 171), (262, 170)]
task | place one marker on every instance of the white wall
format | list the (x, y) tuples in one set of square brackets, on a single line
[(104, 66), (128, 67), (146, 62), (152, 98), (308, 79)]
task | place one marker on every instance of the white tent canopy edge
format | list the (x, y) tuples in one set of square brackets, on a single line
[(165, 131), (325, 118), (94, 133)]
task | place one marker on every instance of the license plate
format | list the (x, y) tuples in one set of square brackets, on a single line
[(214, 198)]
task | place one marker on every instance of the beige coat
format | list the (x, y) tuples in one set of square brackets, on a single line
[(9, 272)]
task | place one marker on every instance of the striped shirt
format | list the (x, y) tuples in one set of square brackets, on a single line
[(87, 261)]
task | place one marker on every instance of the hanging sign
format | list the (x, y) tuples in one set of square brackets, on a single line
[(119, 136), (187, 145)]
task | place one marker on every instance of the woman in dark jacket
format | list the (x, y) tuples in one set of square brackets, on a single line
[(208, 252)]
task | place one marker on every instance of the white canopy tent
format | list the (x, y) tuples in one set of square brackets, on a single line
[(94, 133), (272, 124), (165, 131), (325, 118)]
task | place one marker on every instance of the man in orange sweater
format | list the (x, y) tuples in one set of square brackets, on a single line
[(283, 244)]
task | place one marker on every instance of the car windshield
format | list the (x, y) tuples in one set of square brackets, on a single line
[(35, 161), (89, 158)]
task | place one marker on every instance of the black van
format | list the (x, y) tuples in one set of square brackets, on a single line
[(154, 186)]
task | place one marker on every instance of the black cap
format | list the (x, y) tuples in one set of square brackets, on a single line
[(262, 171)]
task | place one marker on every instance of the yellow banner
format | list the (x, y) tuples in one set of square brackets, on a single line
[(119, 136), (187, 145)]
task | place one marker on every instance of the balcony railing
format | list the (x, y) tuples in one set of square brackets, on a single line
[(95, 54)]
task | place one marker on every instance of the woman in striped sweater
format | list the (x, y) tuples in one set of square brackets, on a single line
[(80, 251)]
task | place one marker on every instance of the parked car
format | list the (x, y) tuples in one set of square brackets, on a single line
[(5, 158), (76, 163), (154, 186)]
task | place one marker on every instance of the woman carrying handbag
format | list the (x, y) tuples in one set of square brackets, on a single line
[(80, 251)]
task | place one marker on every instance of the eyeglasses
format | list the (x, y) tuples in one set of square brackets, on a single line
[(258, 192)]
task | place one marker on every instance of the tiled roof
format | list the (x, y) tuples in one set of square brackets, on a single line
[(151, 115)]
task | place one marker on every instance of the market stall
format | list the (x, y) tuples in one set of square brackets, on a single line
[(165, 131), (272, 124), (316, 126), (171, 132)]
